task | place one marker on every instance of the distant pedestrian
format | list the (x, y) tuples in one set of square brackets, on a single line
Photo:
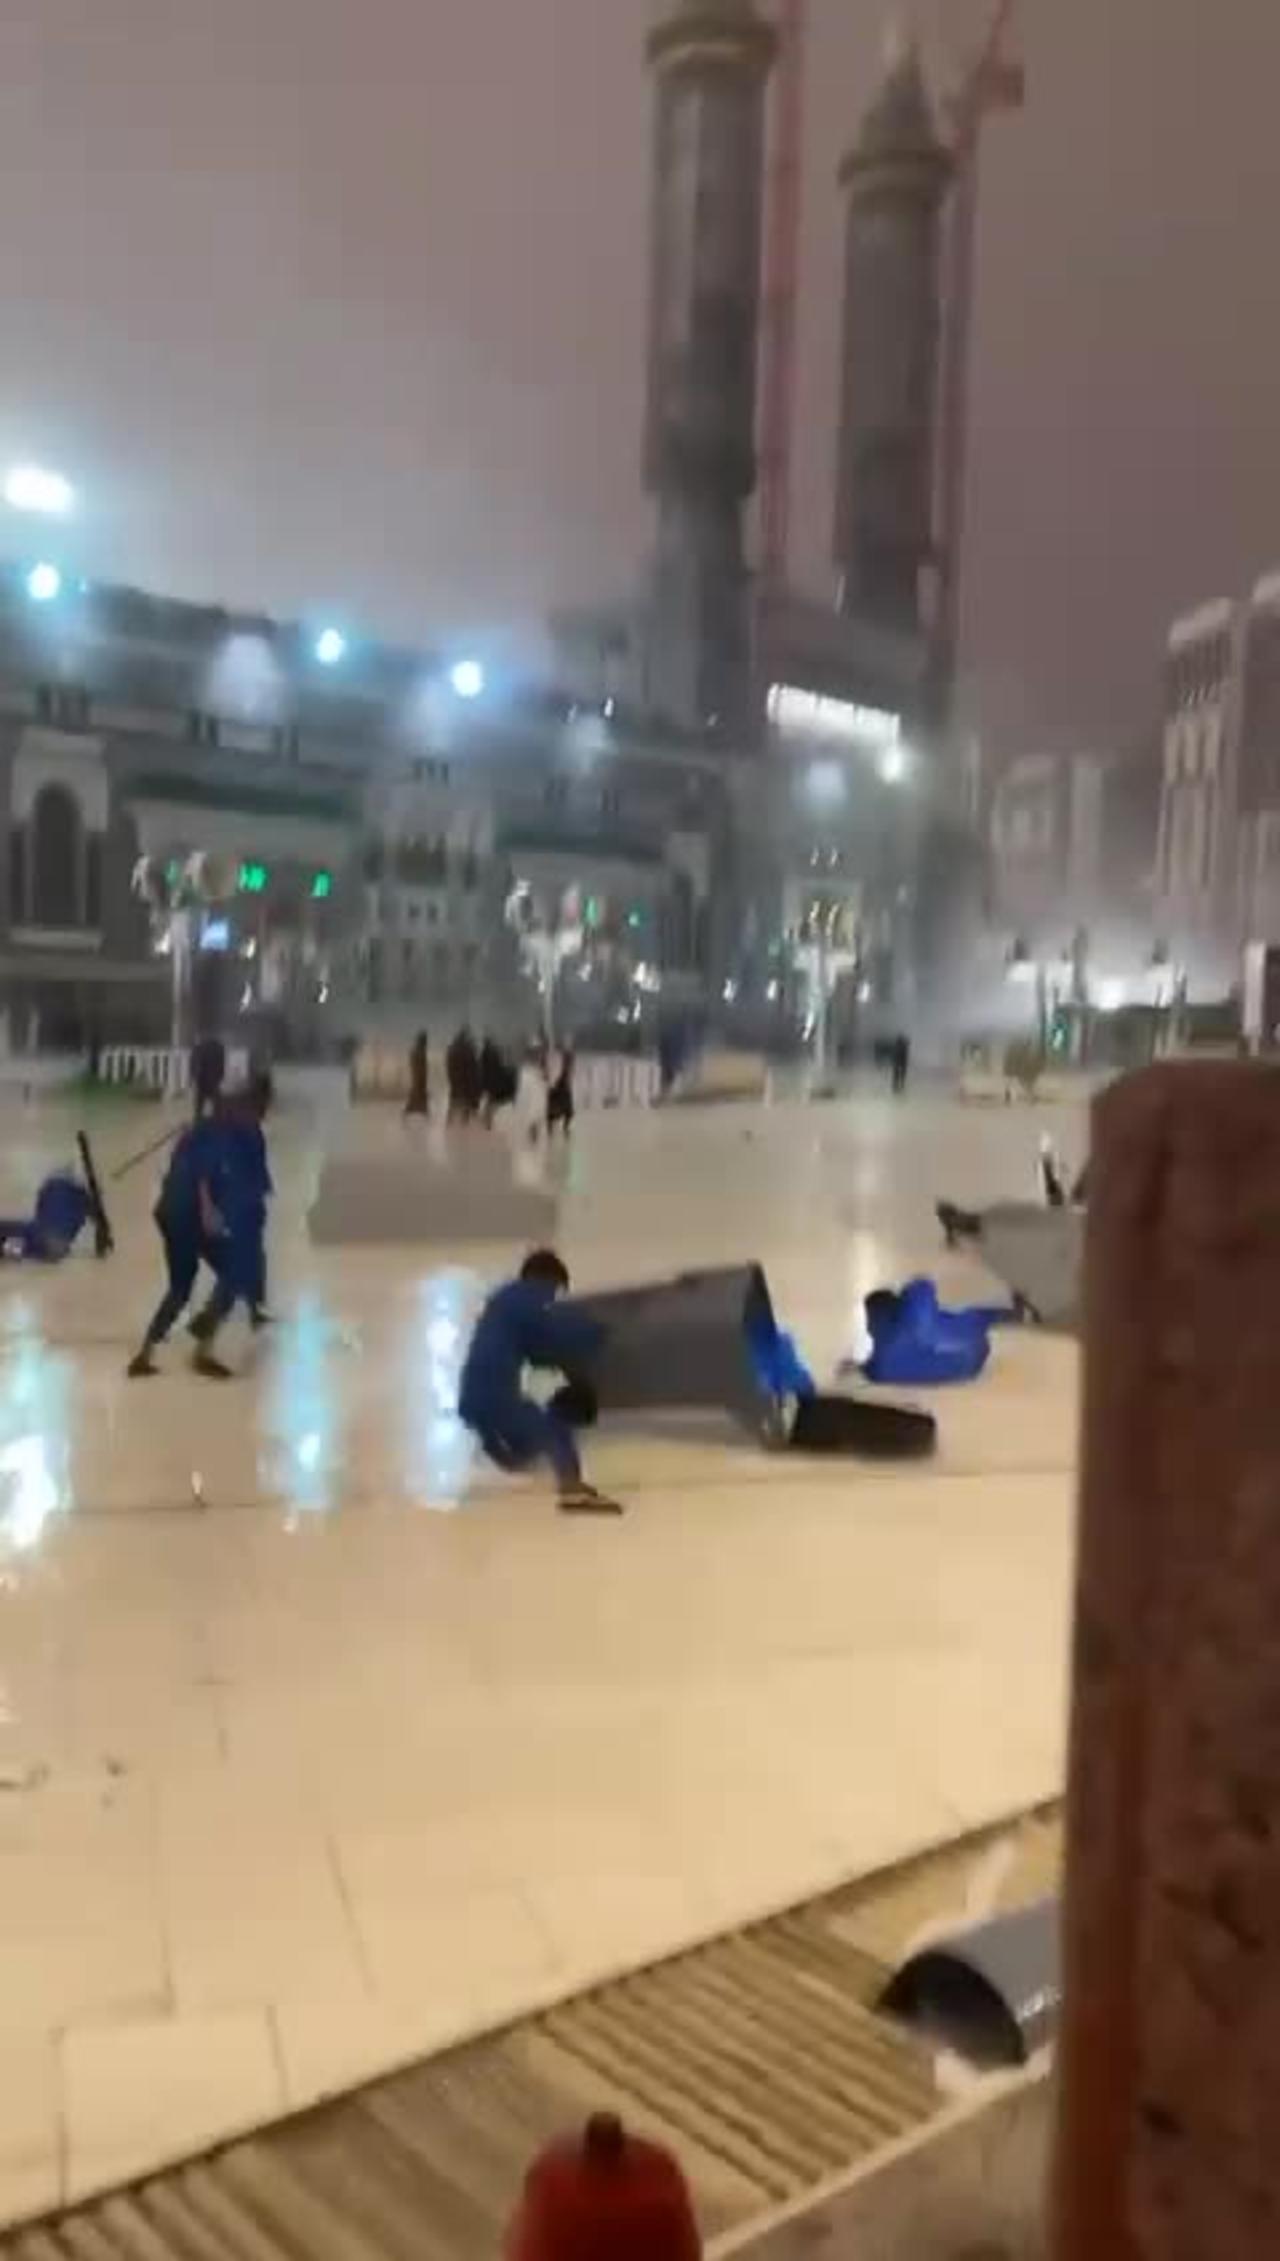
[(900, 1062), (497, 1081), (419, 1099), (462, 1072), (531, 1096), (560, 1106)]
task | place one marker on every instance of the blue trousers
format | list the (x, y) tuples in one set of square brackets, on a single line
[(521, 1434), (242, 1278), (183, 1252)]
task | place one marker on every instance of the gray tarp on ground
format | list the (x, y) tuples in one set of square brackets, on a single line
[(682, 1343), (418, 1197), (1039, 1254)]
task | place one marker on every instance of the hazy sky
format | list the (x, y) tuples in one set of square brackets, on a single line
[(337, 305)]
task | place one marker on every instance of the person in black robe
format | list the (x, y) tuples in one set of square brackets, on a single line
[(560, 1108), (419, 1099), (462, 1070)]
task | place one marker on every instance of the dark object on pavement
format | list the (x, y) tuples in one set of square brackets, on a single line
[(833, 1425), (992, 1992), (957, 1224)]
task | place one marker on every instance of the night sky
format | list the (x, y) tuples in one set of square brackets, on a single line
[(337, 306)]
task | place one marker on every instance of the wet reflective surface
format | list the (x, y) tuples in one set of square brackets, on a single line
[(302, 1770)]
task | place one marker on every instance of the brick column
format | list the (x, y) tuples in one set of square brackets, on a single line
[(1169, 2123)]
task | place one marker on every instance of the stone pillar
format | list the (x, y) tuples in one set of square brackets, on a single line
[(895, 181), (1169, 2131), (710, 61)]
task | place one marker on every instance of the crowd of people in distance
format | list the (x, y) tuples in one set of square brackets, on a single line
[(481, 1080)]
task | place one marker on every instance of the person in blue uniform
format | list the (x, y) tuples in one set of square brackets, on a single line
[(189, 1219), (63, 1208), (244, 1189), (520, 1326), (914, 1340)]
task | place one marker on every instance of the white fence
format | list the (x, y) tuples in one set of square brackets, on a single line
[(161, 1068)]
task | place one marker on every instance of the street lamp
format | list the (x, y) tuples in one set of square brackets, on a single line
[(30, 487), (44, 583), (330, 647), (467, 678), (893, 764)]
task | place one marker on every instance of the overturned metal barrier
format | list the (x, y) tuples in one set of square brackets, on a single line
[(991, 1993)]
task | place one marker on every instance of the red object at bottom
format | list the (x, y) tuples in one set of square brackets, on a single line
[(604, 2196)]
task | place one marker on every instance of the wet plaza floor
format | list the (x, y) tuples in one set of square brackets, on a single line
[(321, 1745)]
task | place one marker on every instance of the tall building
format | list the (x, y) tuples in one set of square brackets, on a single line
[(895, 179), (366, 823), (1197, 852), (1071, 855), (1257, 780), (711, 61)]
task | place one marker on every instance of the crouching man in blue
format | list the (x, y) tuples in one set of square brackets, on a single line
[(518, 1327)]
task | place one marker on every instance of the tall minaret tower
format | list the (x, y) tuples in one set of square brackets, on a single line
[(711, 61), (895, 178)]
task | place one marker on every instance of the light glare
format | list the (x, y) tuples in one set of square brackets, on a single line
[(28, 486), (44, 583)]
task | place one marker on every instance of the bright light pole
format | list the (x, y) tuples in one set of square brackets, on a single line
[(330, 647), (467, 678)]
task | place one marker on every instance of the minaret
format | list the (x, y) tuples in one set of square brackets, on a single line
[(711, 61), (895, 178)]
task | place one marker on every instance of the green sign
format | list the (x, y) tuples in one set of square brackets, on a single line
[(322, 887), (253, 879)]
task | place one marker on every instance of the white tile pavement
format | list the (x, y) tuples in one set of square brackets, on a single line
[(320, 1774)]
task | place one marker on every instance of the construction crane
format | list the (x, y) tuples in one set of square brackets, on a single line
[(995, 82), (781, 268)]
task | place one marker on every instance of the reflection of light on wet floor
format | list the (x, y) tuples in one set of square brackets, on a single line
[(438, 1448), (28, 1491), (303, 1413), (34, 1435)]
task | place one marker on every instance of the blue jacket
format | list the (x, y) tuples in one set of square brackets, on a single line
[(520, 1325), (915, 1341), (63, 1208), (198, 1158), (246, 1175)]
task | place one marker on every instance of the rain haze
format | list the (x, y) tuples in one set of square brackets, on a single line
[(340, 308)]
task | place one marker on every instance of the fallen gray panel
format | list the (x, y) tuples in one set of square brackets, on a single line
[(1039, 1255), (992, 1993), (683, 1343), (416, 1200)]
